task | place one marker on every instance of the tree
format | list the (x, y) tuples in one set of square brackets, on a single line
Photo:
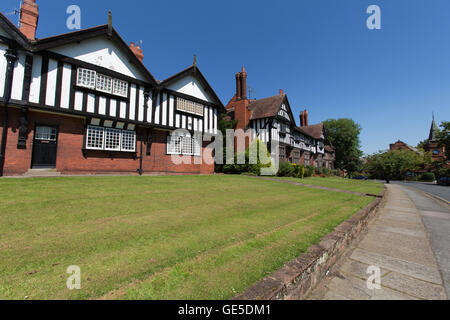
[(225, 123), (444, 137), (343, 135), (393, 165), (423, 145)]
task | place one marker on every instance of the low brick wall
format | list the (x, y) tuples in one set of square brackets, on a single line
[(299, 276)]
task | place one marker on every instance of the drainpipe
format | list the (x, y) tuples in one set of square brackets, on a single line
[(11, 57), (141, 169)]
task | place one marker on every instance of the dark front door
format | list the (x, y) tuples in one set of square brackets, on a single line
[(45, 147)]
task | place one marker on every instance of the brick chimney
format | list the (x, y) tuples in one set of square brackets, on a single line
[(29, 17), (138, 52), (306, 118), (281, 92), (238, 86), (302, 119), (243, 84)]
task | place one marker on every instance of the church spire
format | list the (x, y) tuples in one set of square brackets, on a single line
[(434, 131)]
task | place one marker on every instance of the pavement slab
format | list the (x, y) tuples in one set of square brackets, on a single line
[(399, 245)]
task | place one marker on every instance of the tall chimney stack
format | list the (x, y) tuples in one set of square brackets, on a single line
[(243, 84), (29, 17), (138, 52), (238, 86), (306, 118), (302, 119)]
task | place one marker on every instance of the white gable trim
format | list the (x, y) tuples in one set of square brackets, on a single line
[(191, 86)]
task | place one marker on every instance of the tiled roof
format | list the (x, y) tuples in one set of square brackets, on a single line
[(266, 108), (315, 131)]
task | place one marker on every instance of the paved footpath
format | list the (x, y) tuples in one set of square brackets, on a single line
[(397, 243)]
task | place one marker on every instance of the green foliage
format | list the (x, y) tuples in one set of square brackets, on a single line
[(444, 137), (428, 176), (309, 171), (444, 172), (299, 171), (286, 169), (225, 123), (423, 145), (393, 164), (343, 135), (253, 169)]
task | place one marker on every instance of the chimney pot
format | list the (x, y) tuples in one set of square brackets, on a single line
[(281, 92), (29, 17)]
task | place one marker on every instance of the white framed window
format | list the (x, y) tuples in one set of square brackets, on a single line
[(95, 138), (120, 88), (108, 139), (128, 141), (86, 78), (184, 145), (174, 144), (190, 106), (104, 83), (112, 139), (197, 145)]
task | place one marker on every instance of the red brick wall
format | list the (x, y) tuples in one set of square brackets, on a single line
[(70, 159)]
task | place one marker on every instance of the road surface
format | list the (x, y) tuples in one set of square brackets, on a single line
[(440, 191)]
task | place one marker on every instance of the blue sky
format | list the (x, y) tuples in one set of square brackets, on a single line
[(319, 51)]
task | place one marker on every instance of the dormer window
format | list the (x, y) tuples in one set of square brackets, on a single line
[(96, 81)]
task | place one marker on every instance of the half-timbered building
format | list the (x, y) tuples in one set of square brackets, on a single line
[(84, 103), (272, 120)]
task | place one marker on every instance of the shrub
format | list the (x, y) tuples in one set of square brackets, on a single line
[(319, 171), (428, 176), (309, 171), (327, 172), (253, 169), (299, 171), (286, 169)]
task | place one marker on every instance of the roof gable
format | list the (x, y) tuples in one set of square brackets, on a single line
[(101, 52), (192, 82), (285, 107), (100, 46), (272, 107), (9, 31)]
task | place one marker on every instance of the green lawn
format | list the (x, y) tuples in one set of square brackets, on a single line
[(361, 186), (190, 237)]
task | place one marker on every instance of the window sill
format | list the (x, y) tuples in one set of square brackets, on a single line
[(112, 154)]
